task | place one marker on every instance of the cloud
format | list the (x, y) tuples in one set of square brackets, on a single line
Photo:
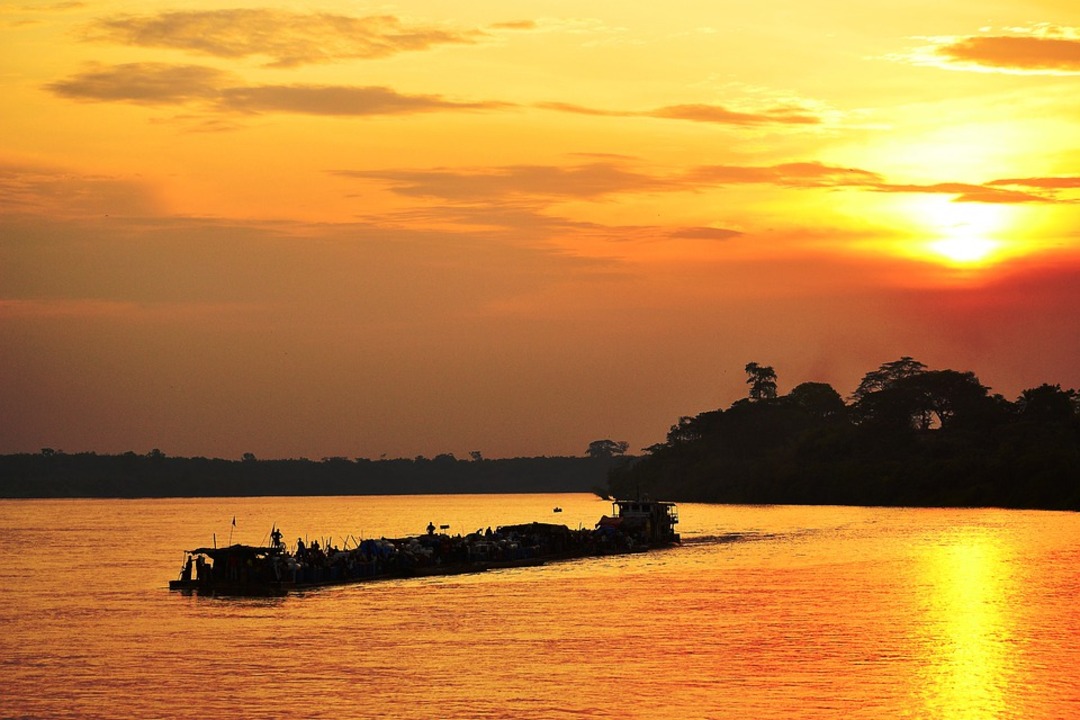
[(1045, 183), (705, 233), (819, 175), (724, 116), (965, 192), (46, 7), (25, 14), (1016, 52), (149, 83), (516, 25), (289, 38), (155, 83), (703, 113), (603, 178), (797, 175), (1039, 49), (27, 190), (164, 84), (581, 110), (339, 100), (591, 180)]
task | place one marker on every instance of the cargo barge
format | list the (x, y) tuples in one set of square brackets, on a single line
[(634, 526)]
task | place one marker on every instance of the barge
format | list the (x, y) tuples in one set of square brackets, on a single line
[(634, 526)]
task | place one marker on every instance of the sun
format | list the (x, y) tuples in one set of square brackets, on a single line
[(963, 234), (964, 250)]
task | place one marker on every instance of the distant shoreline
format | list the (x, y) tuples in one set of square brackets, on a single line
[(89, 476), (52, 474)]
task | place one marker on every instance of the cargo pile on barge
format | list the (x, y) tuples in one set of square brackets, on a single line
[(635, 526)]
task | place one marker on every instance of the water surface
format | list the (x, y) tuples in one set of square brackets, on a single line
[(764, 612)]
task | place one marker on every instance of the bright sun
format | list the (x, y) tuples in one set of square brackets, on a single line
[(962, 233), (964, 250)]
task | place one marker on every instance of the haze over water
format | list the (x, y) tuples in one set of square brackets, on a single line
[(764, 612)]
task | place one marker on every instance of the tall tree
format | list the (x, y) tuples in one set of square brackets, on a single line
[(607, 448), (924, 400), (762, 381), (887, 375)]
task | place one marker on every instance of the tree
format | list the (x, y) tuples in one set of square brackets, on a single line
[(606, 448), (951, 397), (818, 399), (887, 375), (762, 381), (923, 400), (1048, 403)]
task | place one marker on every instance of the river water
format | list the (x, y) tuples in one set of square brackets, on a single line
[(764, 612)]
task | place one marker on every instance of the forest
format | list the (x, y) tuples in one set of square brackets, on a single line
[(907, 436), (55, 474)]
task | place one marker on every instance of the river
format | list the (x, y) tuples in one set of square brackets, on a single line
[(763, 612)]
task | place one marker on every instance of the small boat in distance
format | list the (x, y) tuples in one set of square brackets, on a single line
[(557, 509), (635, 526)]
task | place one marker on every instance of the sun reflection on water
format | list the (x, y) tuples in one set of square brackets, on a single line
[(969, 630)]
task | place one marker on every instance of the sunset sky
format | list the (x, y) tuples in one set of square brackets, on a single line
[(364, 229)]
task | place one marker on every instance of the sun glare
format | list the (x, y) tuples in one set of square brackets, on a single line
[(960, 233), (964, 250), (968, 634)]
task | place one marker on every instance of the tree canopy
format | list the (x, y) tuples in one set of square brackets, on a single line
[(762, 381), (908, 435)]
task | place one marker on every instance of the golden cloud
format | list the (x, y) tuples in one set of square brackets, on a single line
[(289, 38), (1016, 52), (700, 112), (164, 84)]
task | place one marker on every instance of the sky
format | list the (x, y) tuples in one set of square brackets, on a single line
[(391, 229)]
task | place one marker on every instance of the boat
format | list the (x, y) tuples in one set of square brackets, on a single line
[(651, 522), (634, 526)]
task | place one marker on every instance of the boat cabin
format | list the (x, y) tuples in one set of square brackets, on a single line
[(235, 567), (652, 521)]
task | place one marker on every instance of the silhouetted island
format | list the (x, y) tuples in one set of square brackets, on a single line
[(909, 436)]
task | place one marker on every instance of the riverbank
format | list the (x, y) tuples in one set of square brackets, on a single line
[(89, 475)]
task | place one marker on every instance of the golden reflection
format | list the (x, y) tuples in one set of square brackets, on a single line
[(967, 665)]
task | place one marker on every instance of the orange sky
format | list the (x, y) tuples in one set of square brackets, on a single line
[(341, 228)]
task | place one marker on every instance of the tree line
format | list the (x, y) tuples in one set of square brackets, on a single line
[(907, 436), (53, 473)]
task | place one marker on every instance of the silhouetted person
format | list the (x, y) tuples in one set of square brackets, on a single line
[(431, 528)]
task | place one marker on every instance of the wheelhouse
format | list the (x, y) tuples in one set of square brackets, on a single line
[(655, 521)]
